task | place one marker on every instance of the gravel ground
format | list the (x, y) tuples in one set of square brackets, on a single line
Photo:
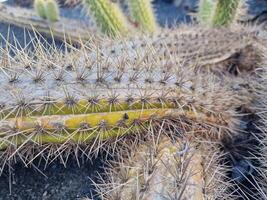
[(55, 183)]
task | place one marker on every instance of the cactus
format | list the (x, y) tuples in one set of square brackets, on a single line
[(219, 13), (88, 97), (225, 12), (39, 7), (52, 10), (108, 16), (164, 169), (205, 11), (142, 13)]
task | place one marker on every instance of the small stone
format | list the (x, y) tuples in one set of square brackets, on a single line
[(45, 194)]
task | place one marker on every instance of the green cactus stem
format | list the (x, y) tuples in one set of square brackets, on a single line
[(108, 16), (39, 7), (51, 11), (142, 13), (225, 12), (205, 11)]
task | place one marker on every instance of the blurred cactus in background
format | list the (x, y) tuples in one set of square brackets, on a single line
[(219, 12), (47, 9), (52, 10), (39, 7), (142, 13), (206, 9), (108, 16), (111, 19)]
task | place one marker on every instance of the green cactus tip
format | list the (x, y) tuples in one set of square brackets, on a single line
[(39, 7), (52, 11)]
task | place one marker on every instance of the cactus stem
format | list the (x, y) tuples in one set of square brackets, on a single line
[(225, 12), (142, 13)]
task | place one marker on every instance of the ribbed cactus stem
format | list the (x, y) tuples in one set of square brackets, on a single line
[(39, 7), (225, 12), (205, 11), (52, 10), (108, 16), (164, 169), (98, 93), (142, 13)]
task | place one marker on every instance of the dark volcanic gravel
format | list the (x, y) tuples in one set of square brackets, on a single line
[(55, 183)]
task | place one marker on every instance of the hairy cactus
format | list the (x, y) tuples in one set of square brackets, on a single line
[(52, 10), (108, 16), (142, 13), (165, 169), (39, 7), (53, 101)]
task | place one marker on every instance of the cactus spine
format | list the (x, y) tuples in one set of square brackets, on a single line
[(142, 13), (52, 10), (108, 17), (39, 7)]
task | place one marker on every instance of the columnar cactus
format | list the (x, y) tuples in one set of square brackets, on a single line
[(80, 97), (39, 7), (52, 10), (108, 16), (142, 13), (225, 12), (205, 11), (47, 9), (219, 12), (165, 169)]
